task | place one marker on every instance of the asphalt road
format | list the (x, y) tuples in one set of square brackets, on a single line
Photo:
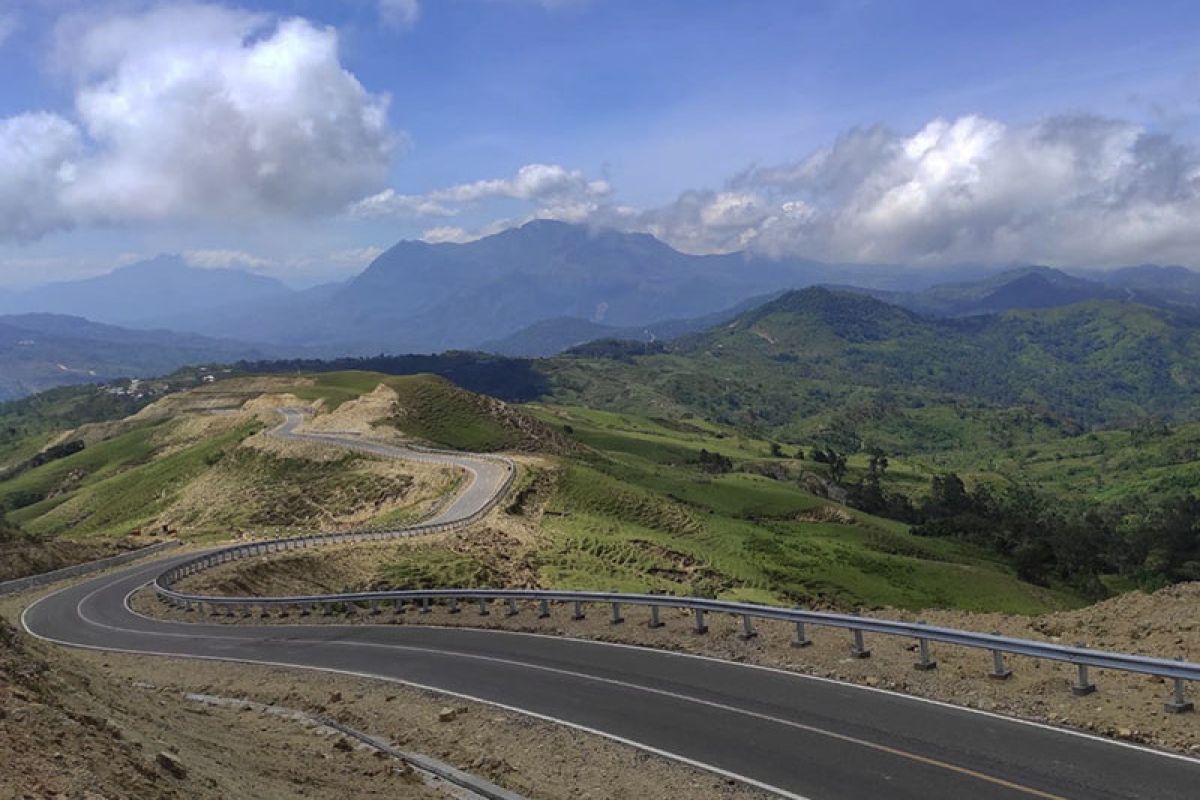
[(798, 736), (485, 476)]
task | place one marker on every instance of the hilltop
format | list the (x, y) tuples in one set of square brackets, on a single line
[(819, 354)]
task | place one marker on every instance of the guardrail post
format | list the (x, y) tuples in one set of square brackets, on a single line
[(700, 627), (1179, 704), (578, 611), (374, 608), (999, 671), (283, 611), (801, 639), (327, 609), (425, 607), (512, 608), (544, 609), (655, 622), (264, 611), (616, 618), (483, 609), (1082, 685), (453, 605), (859, 648), (748, 631), (926, 663)]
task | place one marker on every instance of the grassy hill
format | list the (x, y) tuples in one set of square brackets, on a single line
[(206, 475), (643, 511), (816, 358)]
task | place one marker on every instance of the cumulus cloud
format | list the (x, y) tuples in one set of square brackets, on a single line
[(1068, 189), (390, 203), (193, 112), (569, 191), (536, 182), (39, 156)]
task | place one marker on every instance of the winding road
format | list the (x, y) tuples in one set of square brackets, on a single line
[(790, 734)]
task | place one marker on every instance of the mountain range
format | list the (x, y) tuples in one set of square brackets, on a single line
[(530, 291)]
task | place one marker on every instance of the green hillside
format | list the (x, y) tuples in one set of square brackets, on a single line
[(815, 358), (647, 511)]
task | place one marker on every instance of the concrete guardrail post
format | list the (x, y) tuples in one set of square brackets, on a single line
[(700, 627), (453, 605), (616, 618), (426, 605), (544, 609), (801, 639), (1082, 686), (925, 663), (748, 631), (512, 608), (578, 615), (859, 648), (999, 671), (1179, 704), (483, 607), (655, 622)]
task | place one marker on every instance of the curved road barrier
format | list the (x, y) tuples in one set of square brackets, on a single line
[(794, 735), (75, 570)]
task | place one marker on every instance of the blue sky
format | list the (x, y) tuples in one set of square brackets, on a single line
[(1048, 117)]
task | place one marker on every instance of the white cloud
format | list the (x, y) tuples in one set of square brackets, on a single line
[(193, 112), (535, 182), (568, 191), (226, 259), (1069, 189), (39, 156), (399, 13), (390, 204), (447, 233)]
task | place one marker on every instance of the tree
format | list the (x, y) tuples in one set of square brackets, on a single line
[(837, 465), (715, 462)]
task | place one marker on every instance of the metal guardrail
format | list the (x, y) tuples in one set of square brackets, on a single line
[(999, 646), (44, 578)]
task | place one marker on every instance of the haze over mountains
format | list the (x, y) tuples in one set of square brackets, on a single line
[(40, 351), (530, 291)]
